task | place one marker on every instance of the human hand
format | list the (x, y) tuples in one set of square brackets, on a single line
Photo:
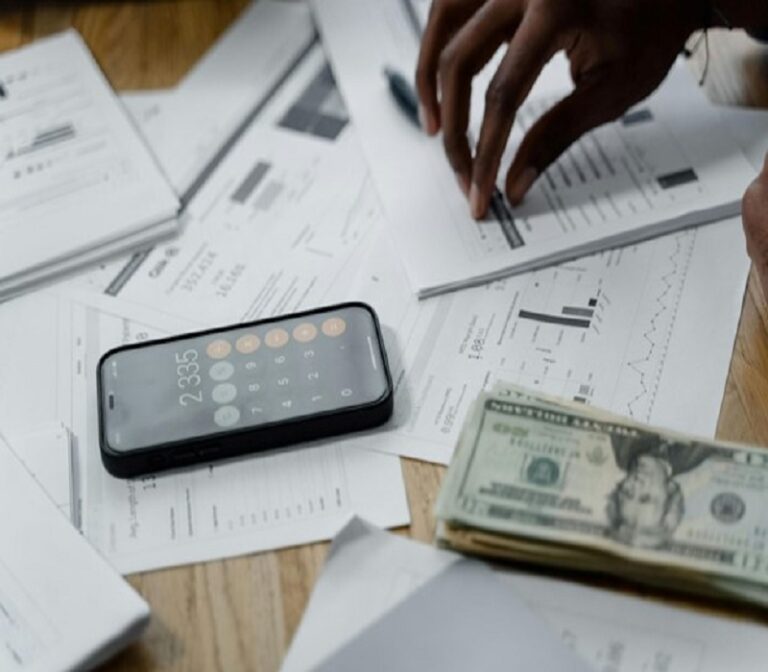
[(755, 217), (619, 52)]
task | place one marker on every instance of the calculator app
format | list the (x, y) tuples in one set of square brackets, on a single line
[(242, 377)]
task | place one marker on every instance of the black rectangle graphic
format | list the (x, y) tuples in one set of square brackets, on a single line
[(554, 319), (252, 180), (578, 312), (677, 179), (637, 117)]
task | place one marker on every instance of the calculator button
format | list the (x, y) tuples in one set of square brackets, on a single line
[(226, 416), (305, 332), (247, 344), (334, 326), (276, 338), (346, 392), (218, 349), (224, 393), (221, 371)]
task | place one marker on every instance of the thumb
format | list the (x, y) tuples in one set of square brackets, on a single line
[(755, 217)]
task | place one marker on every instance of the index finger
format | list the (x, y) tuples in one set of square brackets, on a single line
[(445, 18), (533, 45)]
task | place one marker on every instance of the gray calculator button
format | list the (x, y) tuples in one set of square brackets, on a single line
[(221, 371), (226, 416), (224, 393)]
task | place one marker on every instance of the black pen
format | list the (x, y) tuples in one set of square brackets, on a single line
[(403, 94)]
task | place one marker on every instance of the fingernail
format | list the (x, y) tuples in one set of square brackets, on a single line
[(463, 184), (474, 202), (425, 121), (522, 184)]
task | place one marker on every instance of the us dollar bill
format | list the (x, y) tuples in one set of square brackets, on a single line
[(548, 481)]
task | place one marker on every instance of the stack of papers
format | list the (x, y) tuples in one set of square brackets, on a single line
[(666, 165), (62, 607), (77, 183)]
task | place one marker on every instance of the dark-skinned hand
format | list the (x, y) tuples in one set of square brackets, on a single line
[(755, 217), (619, 52)]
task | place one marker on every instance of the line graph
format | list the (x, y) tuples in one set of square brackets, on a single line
[(648, 365)]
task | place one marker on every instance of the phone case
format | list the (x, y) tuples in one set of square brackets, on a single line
[(238, 442)]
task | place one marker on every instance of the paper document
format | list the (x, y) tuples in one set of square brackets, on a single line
[(61, 606), (665, 165), (279, 226), (225, 89), (76, 181), (369, 573), (462, 619), (621, 330)]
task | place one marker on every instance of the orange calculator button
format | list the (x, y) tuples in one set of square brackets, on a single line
[(218, 349), (276, 338), (248, 343), (334, 326), (305, 332)]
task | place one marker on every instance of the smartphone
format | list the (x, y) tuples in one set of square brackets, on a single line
[(240, 389)]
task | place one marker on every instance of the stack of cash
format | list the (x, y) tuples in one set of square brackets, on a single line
[(547, 481)]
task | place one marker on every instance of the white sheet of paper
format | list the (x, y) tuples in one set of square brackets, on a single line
[(621, 330), (462, 619), (69, 155), (749, 127), (61, 606), (368, 572), (665, 165)]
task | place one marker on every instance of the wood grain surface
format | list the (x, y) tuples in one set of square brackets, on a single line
[(240, 614)]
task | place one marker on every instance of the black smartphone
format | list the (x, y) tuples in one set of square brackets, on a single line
[(239, 389)]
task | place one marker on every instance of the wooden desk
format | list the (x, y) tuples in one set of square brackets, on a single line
[(240, 614)]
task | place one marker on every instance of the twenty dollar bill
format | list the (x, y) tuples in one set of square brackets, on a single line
[(550, 482)]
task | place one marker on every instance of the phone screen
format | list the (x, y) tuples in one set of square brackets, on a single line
[(241, 377)]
